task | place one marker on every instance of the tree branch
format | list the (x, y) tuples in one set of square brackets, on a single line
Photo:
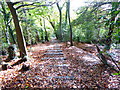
[(9, 21), (24, 5), (16, 3), (97, 5), (35, 6)]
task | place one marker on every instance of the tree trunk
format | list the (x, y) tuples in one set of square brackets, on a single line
[(5, 21), (70, 26), (20, 38), (46, 35), (109, 37), (115, 7), (66, 15), (60, 21), (37, 36), (53, 26), (11, 32)]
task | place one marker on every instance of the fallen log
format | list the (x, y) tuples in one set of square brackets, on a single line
[(104, 60), (24, 59)]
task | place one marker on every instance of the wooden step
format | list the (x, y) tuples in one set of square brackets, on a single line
[(60, 65), (54, 58), (57, 46), (54, 50), (63, 77), (57, 77), (53, 53)]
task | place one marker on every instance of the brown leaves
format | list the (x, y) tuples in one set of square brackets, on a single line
[(80, 69)]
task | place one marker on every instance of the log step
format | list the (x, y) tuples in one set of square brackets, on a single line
[(53, 53), (62, 77), (57, 77), (60, 65), (54, 50), (56, 58)]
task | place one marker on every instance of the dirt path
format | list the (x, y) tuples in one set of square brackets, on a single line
[(56, 66)]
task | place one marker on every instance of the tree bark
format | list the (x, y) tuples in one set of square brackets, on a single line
[(11, 32), (60, 21), (109, 36), (115, 7), (46, 34), (20, 38), (37, 36), (70, 26)]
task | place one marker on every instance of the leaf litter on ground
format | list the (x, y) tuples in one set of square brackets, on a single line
[(80, 69)]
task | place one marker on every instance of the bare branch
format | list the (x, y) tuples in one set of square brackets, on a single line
[(32, 8), (24, 5), (97, 5), (16, 3), (1, 11), (33, 4), (37, 6), (9, 21)]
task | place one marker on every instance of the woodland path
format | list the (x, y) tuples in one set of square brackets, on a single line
[(55, 54), (56, 66)]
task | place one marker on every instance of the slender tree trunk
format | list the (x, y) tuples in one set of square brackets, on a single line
[(8, 30), (37, 37), (53, 26), (20, 38), (115, 7), (42, 31), (7, 35), (70, 26), (109, 37), (42, 35), (11, 33), (27, 33), (5, 21), (66, 15), (60, 21), (46, 35)]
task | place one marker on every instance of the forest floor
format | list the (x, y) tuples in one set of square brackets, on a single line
[(58, 65)]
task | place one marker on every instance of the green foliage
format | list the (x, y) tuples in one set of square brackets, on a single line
[(94, 26), (4, 46), (85, 27), (116, 73), (88, 26)]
